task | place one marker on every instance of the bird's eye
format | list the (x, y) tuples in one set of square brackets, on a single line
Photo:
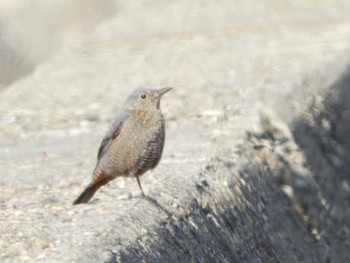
[(143, 96)]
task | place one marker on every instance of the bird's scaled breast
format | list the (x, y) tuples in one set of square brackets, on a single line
[(138, 147)]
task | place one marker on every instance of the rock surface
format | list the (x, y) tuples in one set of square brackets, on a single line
[(256, 163)]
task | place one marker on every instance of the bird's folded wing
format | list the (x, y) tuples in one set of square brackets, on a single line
[(111, 135)]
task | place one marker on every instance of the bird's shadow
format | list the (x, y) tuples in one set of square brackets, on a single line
[(154, 202)]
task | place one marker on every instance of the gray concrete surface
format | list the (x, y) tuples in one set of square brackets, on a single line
[(255, 166)]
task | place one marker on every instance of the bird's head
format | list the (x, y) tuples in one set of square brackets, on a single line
[(145, 99)]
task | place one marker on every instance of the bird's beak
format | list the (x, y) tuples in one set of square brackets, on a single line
[(162, 91)]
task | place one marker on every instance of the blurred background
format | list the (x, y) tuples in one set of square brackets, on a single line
[(66, 67), (79, 56), (33, 31)]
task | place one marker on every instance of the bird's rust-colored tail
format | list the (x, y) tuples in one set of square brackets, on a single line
[(99, 180), (86, 195)]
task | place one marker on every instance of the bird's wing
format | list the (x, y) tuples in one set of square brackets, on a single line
[(112, 134)]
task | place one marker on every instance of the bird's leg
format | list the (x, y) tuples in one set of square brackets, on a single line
[(139, 183)]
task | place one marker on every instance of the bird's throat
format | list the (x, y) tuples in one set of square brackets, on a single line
[(145, 117)]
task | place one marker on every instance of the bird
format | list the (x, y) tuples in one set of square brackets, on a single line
[(133, 144)]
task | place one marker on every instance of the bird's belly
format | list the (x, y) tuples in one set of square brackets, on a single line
[(136, 158)]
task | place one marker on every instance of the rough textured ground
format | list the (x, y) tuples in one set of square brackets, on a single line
[(256, 164)]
